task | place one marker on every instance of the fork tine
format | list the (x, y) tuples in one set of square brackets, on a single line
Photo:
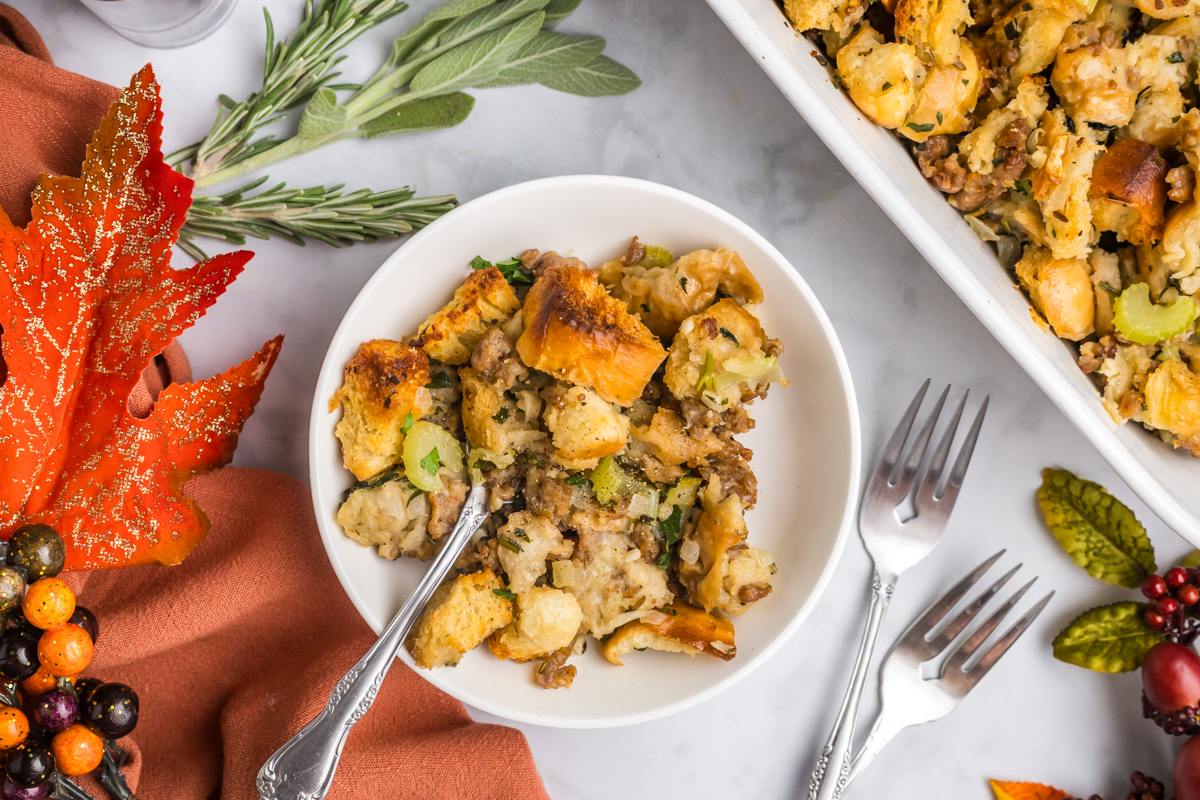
[(959, 623), (914, 637), (913, 462), (937, 463), (1006, 641), (955, 481), (891, 453), (967, 649)]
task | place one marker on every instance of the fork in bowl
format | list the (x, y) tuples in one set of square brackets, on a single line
[(908, 698), (895, 546)]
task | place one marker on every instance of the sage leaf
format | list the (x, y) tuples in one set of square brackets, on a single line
[(602, 77), (476, 62), (430, 26), (1096, 529), (558, 10), (545, 55), (488, 19), (429, 114), (323, 116), (1111, 638)]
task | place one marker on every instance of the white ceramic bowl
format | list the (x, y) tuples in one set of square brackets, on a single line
[(1167, 481), (806, 446)]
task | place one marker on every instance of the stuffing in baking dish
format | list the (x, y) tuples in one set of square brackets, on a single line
[(601, 408), (1067, 134)]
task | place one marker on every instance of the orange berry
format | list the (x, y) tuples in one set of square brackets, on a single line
[(14, 727), (48, 603), (38, 683), (77, 751), (65, 650)]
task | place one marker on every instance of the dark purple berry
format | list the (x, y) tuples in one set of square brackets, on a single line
[(37, 551), (56, 710), (86, 620), (14, 791), (111, 711), (29, 765), (18, 655), (84, 688)]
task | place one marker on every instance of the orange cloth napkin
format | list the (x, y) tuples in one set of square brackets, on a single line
[(234, 650)]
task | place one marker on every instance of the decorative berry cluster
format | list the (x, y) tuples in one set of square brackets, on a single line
[(1174, 610), (56, 722), (1142, 787)]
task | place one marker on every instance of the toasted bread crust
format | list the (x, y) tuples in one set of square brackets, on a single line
[(459, 616), (681, 629), (384, 383), (576, 332), (483, 299), (1133, 173)]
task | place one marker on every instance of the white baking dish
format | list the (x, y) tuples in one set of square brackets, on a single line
[(1166, 480)]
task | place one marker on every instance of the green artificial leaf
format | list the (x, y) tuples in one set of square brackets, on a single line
[(476, 62), (558, 10), (602, 77), (545, 55), (1111, 638), (428, 114), (323, 116), (486, 19), (430, 26), (1191, 560), (1098, 532)]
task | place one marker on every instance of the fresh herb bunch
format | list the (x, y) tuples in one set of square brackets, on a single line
[(458, 45)]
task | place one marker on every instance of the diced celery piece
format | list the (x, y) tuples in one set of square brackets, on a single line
[(706, 377), (682, 493), (490, 459), (608, 480), (422, 439), (751, 367), (563, 573), (656, 257), (725, 380), (1144, 322), (643, 504)]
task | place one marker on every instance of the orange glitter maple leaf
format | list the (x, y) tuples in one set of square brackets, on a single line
[(87, 299), (1006, 790)]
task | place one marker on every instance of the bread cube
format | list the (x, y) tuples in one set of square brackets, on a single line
[(579, 334), (721, 527), (672, 444), (725, 331), (547, 620), (583, 427), (459, 616), (483, 300), (528, 541), (384, 384), (491, 420)]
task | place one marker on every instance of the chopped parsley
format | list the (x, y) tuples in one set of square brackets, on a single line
[(664, 561), (1024, 187), (505, 593), (669, 610), (431, 462), (1011, 31), (577, 479), (509, 544), (926, 128), (1175, 58), (500, 416), (683, 283), (939, 117), (670, 526), (408, 423), (1100, 126), (440, 380), (729, 335), (512, 269), (1070, 124)]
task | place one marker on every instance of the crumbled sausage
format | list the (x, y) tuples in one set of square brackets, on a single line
[(445, 507), (943, 167), (634, 254), (555, 672), (979, 190), (547, 496)]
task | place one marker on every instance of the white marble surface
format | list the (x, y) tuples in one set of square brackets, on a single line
[(709, 122)]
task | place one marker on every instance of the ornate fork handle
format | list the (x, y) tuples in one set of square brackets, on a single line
[(303, 768), (836, 753)]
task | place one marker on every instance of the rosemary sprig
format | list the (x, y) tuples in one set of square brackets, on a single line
[(458, 45), (318, 213)]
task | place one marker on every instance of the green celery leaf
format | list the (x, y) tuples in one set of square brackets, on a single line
[(603, 77), (545, 55), (1098, 532), (430, 114), (476, 62), (1111, 638), (323, 116), (558, 10)]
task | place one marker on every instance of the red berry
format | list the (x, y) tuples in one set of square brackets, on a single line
[(1154, 586), (1187, 770), (1166, 606), (1188, 595), (1171, 678), (1176, 577), (1155, 620)]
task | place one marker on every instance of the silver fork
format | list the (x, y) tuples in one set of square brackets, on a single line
[(895, 546), (909, 699)]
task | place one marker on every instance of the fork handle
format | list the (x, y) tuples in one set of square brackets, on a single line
[(837, 752), (883, 731)]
